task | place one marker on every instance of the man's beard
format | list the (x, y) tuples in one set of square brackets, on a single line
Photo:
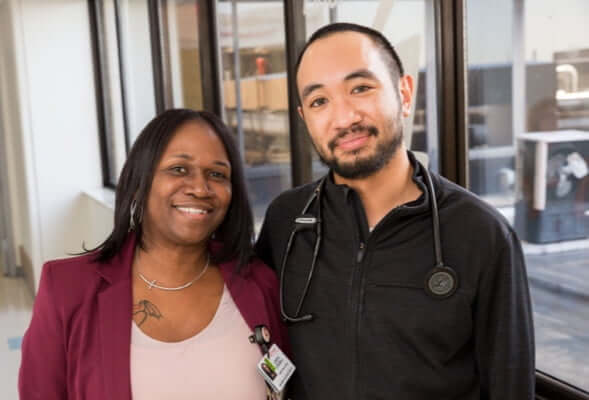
[(362, 167)]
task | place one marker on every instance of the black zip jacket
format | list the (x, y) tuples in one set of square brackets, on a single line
[(376, 334)]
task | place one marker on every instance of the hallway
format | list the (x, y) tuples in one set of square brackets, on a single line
[(16, 303)]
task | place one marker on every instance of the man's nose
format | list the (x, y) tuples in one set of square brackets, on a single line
[(346, 113)]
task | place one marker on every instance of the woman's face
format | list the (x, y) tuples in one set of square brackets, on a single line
[(191, 188)]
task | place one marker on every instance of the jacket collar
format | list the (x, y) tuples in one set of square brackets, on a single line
[(114, 313), (418, 206), (119, 267), (246, 294)]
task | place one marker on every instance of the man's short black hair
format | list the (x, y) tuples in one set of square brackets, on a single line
[(390, 55)]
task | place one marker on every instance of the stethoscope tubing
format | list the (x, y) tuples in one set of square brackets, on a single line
[(435, 218), (316, 195), (439, 270)]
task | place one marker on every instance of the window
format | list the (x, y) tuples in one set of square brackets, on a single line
[(147, 59), (181, 54), (255, 99), (528, 111)]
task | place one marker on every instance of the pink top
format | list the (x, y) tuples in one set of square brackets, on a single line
[(217, 363)]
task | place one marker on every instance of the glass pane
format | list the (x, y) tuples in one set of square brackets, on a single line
[(137, 65), (180, 22), (115, 123), (255, 94), (409, 26), (528, 108)]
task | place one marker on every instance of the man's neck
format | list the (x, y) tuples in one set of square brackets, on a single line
[(390, 187)]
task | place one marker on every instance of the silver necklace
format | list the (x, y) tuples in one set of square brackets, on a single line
[(153, 284)]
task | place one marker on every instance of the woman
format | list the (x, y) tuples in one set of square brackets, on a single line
[(165, 306)]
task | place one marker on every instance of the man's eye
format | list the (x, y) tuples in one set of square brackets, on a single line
[(318, 102), (360, 89)]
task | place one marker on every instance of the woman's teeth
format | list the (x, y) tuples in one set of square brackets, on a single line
[(191, 210)]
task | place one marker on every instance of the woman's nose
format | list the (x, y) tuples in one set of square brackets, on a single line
[(198, 185)]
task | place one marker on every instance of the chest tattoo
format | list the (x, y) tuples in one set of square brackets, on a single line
[(145, 309)]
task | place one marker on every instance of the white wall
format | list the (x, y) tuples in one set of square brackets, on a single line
[(13, 124), (63, 118), (55, 150)]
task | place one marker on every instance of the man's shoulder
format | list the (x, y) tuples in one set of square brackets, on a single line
[(462, 205), (292, 201)]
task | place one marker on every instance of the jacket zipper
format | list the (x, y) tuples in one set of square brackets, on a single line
[(361, 253), (357, 295)]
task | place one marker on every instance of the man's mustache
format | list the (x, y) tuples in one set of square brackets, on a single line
[(371, 130)]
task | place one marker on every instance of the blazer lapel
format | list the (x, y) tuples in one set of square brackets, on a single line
[(248, 297), (114, 313)]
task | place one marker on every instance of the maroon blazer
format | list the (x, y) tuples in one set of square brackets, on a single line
[(79, 341)]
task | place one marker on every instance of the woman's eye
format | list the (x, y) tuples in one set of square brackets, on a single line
[(360, 89), (178, 169), (318, 102), (218, 175)]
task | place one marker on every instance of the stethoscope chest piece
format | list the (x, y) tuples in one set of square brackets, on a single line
[(441, 282)]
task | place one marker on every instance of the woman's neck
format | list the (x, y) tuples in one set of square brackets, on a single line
[(170, 264)]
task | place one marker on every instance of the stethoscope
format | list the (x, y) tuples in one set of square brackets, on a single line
[(440, 282)]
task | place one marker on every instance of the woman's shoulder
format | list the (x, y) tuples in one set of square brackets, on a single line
[(262, 273), (70, 280), (255, 272), (76, 266)]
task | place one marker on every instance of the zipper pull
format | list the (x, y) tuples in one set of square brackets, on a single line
[(361, 252)]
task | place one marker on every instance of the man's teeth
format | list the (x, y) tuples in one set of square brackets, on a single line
[(191, 210)]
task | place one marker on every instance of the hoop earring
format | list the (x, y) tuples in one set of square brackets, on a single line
[(132, 224)]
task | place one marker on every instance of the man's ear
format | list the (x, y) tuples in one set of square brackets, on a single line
[(300, 110), (406, 93)]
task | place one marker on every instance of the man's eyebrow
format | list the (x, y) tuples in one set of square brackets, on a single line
[(361, 73), (309, 89)]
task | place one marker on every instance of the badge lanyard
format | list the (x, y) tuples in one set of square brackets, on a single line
[(275, 367)]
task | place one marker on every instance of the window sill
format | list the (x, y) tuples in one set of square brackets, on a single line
[(104, 197)]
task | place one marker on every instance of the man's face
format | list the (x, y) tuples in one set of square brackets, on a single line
[(350, 104)]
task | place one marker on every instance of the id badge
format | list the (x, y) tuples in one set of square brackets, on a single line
[(276, 369)]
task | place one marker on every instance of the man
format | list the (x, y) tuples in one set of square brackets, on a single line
[(385, 323)]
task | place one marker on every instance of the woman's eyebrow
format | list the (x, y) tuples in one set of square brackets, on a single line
[(185, 156), (221, 163)]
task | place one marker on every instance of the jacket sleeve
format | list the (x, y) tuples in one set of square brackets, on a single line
[(43, 366), (504, 328)]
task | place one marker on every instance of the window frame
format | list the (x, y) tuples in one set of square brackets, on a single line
[(161, 73)]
